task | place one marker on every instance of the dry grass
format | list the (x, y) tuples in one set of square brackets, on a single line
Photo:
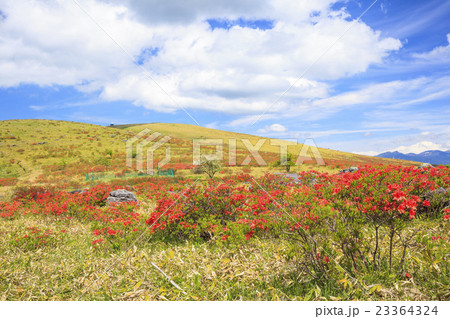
[(258, 270)]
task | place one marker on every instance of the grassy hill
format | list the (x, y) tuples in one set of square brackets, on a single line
[(189, 132), (238, 237), (37, 150), (26, 146)]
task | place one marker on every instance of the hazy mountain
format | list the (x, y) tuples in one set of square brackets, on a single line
[(433, 157)]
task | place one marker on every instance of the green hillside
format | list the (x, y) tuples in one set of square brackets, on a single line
[(189, 132), (378, 234), (45, 151)]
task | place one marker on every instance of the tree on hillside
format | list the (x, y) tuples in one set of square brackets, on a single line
[(285, 162), (210, 167)]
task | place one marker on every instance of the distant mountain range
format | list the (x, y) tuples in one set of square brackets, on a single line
[(433, 157)]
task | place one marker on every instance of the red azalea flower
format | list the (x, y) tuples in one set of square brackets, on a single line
[(96, 232), (398, 195), (447, 212), (425, 203), (97, 241)]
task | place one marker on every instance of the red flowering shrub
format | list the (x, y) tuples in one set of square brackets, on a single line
[(354, 210), (10, 210), (350, 216), (34, 238), (8, 181), (28, 193)]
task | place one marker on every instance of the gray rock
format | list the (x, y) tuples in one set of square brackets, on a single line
[(348, 170), (439, 200), (79, 191), (440, 193), (294, 176), (424, 165), (121, 196)]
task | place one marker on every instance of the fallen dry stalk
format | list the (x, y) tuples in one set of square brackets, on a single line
[(168, 278)]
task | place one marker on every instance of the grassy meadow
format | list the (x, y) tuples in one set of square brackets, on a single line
[(243, 235)]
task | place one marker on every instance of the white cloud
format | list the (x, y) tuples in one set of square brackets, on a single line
[(277, 128), (401, 141), (37, 107), (368, 153), (393, 92), (247, 120), (54, 42), (154, 12), (383, 99), (236, 71), (420, 147), (213, 125), (336, 132), (438, 54)]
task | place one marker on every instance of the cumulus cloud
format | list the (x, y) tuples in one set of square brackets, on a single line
[(402, 141), (188, 65), (393, 92), (385, 106), (274, 128), (189, 11), (420, 147), (438, 54), (54, 43), (368, 153), (167, 12)]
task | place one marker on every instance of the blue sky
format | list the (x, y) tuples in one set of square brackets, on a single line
[(286, 69)]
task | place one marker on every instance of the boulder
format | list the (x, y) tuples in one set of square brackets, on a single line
[(424, 165), (79, 191), (441, 195), (294, 176), (121, 196), (439, 199), (348, 170)]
